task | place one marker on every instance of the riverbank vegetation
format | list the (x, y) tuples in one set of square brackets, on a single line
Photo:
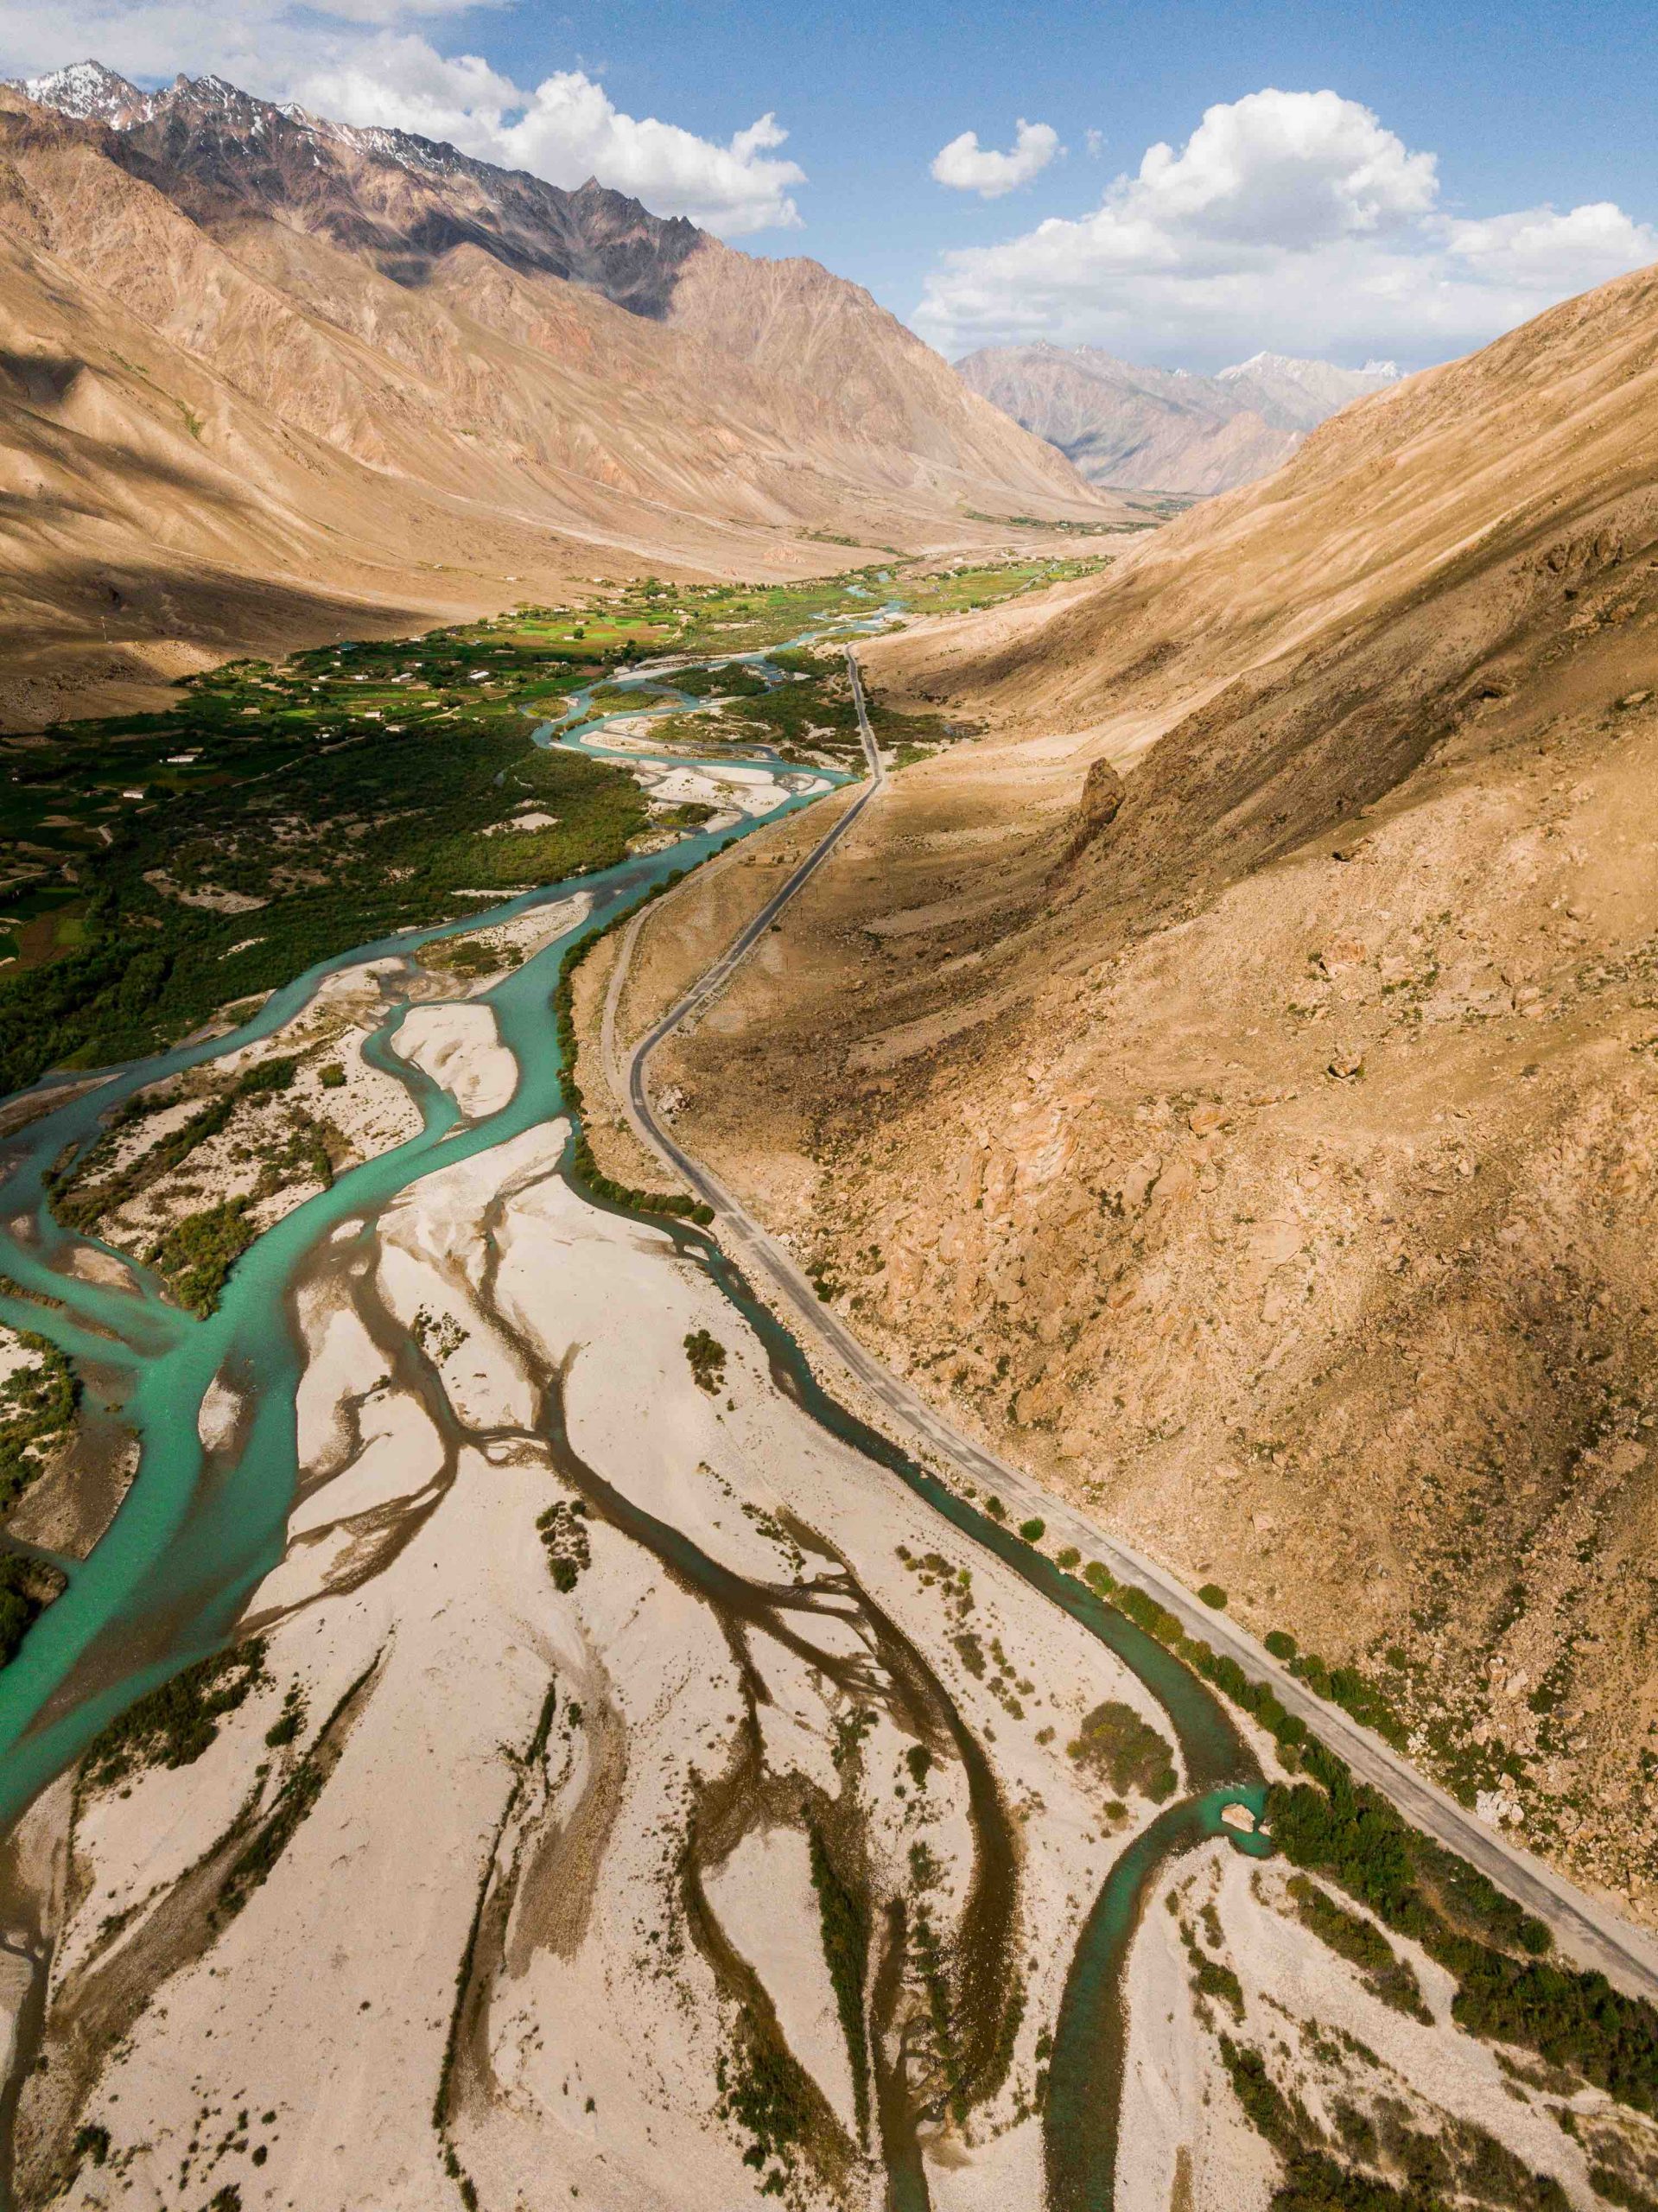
[(1509, 1989), (1575, 2020), (174, 1725), (1363, 1945), (1387, 2163), (156, 868), (585, 1171), (38, 1403), (27, 1586), (844, 1913)]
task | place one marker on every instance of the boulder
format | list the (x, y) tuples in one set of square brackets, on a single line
[(1102, 791)]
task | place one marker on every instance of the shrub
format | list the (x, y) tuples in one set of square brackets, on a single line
[(1347, 1687), (1616, 2191), (92, 2142), (1390, 1977), (1070, 1558), (174, 1725), (37, 1404), (707, 1355), (265, 1077), (1032, 1530), (995, 1509), (1212, 1595), (1115, 1742), (1146, 1613), (332, 1077), (845, 1917), (1280, 1643), (197, 1254)]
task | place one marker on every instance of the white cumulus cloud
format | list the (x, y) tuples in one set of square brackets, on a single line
[(566, 130), (372, 61), (1291, 221), (968, 167)]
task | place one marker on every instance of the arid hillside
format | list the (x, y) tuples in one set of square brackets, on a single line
[(1231, 1086), (252, 364)]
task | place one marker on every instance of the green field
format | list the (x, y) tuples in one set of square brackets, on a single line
[(158, 867)]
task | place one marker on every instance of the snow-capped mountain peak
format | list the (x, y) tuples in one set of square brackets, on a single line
[(86, 90)]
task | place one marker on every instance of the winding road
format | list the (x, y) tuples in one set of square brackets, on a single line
[(1593, 1932)]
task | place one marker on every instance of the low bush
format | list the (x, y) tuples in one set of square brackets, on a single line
[(37, 1405), (1116, 1745), (27, 1587), (707, 1355), (1616, 2191), (844, 1915), (197, 1254), (174, 1725), (1390, 1977)]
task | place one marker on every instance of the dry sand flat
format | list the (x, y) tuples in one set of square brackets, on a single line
[(459, 1048)]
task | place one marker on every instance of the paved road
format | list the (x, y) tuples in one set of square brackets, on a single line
[(1593, 1932)]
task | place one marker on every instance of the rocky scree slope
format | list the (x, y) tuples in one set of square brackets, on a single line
[(1232, 1087), (433, 356)]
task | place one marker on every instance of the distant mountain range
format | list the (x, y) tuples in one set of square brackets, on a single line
[(259, 370), (1165, 430)]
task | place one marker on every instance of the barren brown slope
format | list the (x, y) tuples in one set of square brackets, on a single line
[(135, 549), (1270, 1161), (371, 338), (792, 319)]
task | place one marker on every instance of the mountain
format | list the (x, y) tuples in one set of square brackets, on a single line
[(1165, 430), (1291, 395), (263, 376), (1230, 1089)]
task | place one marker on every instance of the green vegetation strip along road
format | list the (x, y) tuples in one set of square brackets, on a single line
[(1591, 1930)]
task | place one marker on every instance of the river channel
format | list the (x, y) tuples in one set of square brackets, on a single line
[(171, 1579)]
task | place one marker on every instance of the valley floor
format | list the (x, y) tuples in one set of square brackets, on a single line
[(499, 1879)]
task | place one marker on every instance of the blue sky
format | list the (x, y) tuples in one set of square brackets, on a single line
[(1523, 103), (1464, 169)]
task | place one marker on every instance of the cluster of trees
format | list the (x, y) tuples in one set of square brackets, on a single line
[(1577, 2020), (37, 1404)]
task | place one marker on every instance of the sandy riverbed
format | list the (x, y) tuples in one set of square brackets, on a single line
[(478, 1944)]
